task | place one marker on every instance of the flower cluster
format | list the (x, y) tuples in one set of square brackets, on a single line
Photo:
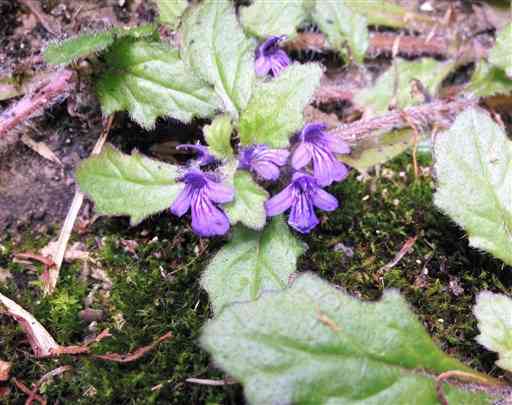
[(312, 158)]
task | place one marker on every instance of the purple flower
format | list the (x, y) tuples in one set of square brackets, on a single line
[(203, 155), (263, 161), (302, 195), (271, 58), (319, 146), (201, 192)]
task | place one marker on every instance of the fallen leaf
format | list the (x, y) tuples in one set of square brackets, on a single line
[(41, 148)]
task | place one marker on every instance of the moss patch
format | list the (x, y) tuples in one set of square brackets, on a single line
[(155, 269)]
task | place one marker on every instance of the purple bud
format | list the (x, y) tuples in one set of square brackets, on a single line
[(302, 195), (271, 58), (262, 160), (202, 191), (316, 145), (203, 155)]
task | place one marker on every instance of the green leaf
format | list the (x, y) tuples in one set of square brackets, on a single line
[(83, 45), (429, 72), (131, 185), (73, 48), (252, 262), (495, 325), (378, 150), (264, 18), (474, 170), (171, 11), (218, 137), (219, 52), (149, 80), (501, 54), (488, 80), (314, 344), (248, 207), (342, 27), (276, 109)]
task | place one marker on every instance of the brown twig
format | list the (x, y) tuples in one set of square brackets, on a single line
[(46, 21), (54, 87), (55, 372), (438, 112), (23, 388), (212, 383), (409, 243)]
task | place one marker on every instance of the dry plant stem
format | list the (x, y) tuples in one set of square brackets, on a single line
[(463, 376), (55, 86), (23, 388), (214, 383), (69, 222), (415, 143), (47, 376), (439, 112), (45, 20)]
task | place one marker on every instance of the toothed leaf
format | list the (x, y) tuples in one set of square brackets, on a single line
[(218, 137), (149, 80), (314, 344), (501, 54), (343, 27), (252, 262), (217, 49), (488, 80), (131, 185), (248, 207), (276, 109), (171, 11), (474, 170), (264, 18), (495, 325)]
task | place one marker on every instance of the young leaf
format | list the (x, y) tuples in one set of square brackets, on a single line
[(149, 80), (218, 137), (501, 54), (495, 325), (73, 48), (217, 49), (314, 344), (248, 206), (474, 170), (276, 109), (131, 185), (342, 27), (264, 18), (488, 80), (377, 151), (252, 262), (82, 45), (171, 11), (429, 72)]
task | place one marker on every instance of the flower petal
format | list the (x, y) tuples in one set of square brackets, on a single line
[(279, 60), (340, 171), (323, 166), (262, 66), (267, 170), (219, 192), (334, 143), (277, 156), (310, 131), (301, 156), (302, 215), (325, 201), (208, 220), (182, 203), (280, 202)]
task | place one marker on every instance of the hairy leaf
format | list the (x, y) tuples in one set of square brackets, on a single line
[(264, 18), (248, 206), (342, 27), (378, 150), (171, 11), (495, 324), (429, 72), (131, 185), (252, 262), (217, 49), (276, 109), (314, 344), (218, 137), (149, 80), (488, 80), (82, 45), (474, 169), (501, 54)]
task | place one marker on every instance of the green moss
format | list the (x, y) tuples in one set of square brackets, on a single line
[(156, 289)]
